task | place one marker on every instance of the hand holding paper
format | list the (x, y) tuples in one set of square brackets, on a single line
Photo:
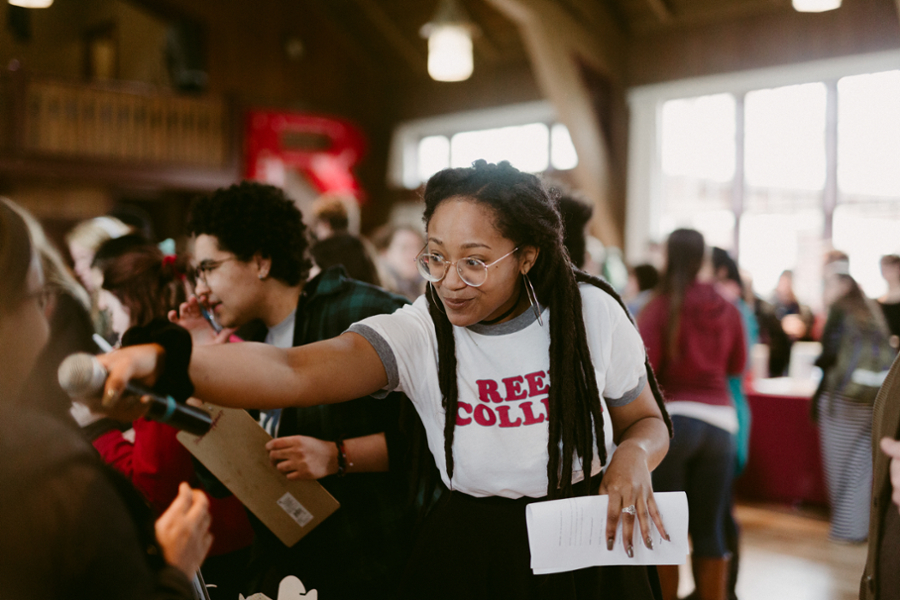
[(570, 534)]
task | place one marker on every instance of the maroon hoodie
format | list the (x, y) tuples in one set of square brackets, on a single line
[(710, 346)]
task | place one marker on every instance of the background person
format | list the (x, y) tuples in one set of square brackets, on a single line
[(334, 214), (576, 213), (855, 336), (72, 528), (83, 241), (795, 321), (348, 251), (398, 247), (642, 280), (731, 286), (695, 342), (71, 329)]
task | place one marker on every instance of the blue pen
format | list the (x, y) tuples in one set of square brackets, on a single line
[(210, 318)]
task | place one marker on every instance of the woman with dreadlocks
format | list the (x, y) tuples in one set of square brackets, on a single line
[(695, 341), (523, 371)]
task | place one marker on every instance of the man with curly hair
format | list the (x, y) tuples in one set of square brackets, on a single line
[(252, 269)]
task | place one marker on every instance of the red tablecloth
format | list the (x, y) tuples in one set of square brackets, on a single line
[(785, 464)]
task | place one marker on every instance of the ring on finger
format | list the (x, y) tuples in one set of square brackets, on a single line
[(630, 510)]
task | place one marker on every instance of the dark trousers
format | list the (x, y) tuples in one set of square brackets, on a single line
[(700, 462), (477, 548)]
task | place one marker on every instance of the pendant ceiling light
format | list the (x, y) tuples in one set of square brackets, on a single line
[(449, 36), (816, 5), (31, 3)]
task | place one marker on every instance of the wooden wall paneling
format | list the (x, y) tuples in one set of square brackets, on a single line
[(763, 39)]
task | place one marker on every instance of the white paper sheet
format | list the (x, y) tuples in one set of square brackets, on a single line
[(570, 534)]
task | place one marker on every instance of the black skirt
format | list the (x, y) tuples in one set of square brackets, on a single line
[(477, 548)]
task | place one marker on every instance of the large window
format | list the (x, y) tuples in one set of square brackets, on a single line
[(529, 147), (697, 183), (867, 216), (781, 217), (775, 173), (527, 136)]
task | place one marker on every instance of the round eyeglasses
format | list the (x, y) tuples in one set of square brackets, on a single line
[(202, 271), (472, 271)]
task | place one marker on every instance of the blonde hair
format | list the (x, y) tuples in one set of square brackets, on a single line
[(92, 233), (340, 211), (57, 275)]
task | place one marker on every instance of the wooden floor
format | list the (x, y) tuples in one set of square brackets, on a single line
[(786, 554)]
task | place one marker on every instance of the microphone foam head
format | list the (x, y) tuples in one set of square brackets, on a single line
[(81, 375)]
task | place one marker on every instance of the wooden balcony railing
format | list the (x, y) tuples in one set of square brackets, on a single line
[(116, 132)]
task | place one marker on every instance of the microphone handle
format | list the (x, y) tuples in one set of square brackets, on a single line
[(168, 410)]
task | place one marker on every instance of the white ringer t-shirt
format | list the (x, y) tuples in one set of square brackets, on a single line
[(500, 442)]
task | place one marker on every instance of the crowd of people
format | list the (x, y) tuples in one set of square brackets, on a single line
[(411, 376)]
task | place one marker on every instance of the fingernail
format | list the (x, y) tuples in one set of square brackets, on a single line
[(668, 539), (649, 541), (629, 550), (610, 542), (110, 398)]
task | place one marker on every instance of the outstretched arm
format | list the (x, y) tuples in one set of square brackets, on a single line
[(252, 375)]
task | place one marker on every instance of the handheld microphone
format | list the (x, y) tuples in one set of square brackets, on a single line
[(82, 376)]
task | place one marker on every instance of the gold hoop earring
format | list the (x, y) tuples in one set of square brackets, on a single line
[(429, 289), (532, 299)]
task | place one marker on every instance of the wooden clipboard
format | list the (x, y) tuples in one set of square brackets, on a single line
[(234, 450)]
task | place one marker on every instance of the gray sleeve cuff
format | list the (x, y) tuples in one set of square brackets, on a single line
[(630, 395), (384, 353)]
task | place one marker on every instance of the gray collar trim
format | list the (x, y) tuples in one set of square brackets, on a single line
[(512, 326)]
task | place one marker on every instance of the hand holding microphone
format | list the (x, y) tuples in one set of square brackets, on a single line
[(84, 376)]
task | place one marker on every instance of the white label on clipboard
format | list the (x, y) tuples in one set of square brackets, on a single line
[(294, 509)]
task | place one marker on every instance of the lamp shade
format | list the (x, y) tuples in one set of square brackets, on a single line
[(449, 36), (31, 3), (816, 5), (450, 53)]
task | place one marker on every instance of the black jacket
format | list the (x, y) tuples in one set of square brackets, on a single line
[(72, 528)]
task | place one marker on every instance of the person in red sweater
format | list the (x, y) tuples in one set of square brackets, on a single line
[(695, 341), (140, 284)]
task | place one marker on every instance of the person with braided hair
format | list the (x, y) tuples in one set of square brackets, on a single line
[(523, 370)]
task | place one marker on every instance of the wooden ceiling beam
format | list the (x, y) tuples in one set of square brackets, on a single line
[(614, 10), (323, 11), (712, 14), (662, 10), (559, 45), (482, 41), (598, 11), (411, 54)]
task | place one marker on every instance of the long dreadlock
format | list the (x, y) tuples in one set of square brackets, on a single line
[(526, 214)]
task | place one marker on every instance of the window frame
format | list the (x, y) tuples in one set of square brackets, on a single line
[(645, 178), (403, 154)]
